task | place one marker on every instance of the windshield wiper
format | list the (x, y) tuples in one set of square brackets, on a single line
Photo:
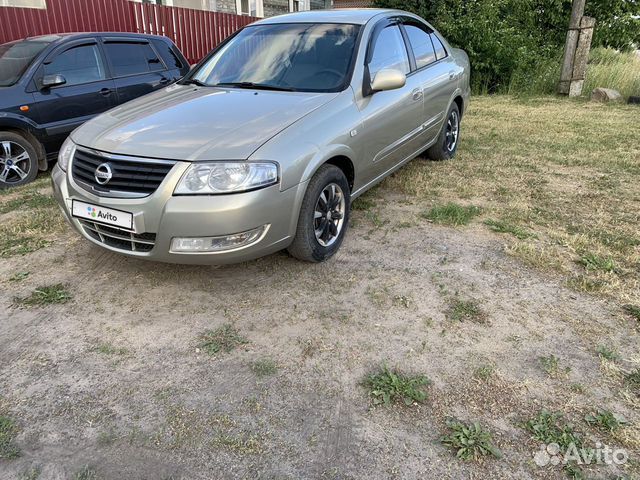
[(195, 81), (257, 86)]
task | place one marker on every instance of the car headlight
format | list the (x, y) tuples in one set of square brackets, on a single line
[(226, 177), (67, 151)]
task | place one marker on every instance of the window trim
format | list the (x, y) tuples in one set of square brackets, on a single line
[(51, 56), (430, 31), (373, 37), (145, 41)]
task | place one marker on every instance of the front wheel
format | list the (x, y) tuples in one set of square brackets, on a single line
[(447, 144), (18, 160), (324, 216)]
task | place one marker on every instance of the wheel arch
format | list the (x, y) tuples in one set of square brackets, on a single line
[(25, 131)]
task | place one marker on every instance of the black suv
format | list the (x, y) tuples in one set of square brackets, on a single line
[(51, 84)]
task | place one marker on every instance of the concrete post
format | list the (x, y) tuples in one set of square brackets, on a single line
[(573, 35)]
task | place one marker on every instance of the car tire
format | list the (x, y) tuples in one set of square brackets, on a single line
[(330, 216), (446, 146), (18, 160)]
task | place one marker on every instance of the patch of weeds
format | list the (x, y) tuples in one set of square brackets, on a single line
[(500, 226), (573, 472), (46, 295), (264, 367), (401, 301), (387, 386), (633, 380), (593, 262), (376, 219), (633, 310), (107, 438), (551, 365), (484, 372), (470, 441), (20, 245), (363, 203), (223, 339), (241, 444), (549, 427), (107, 348), (8, 432), (27, 234), (451, 214), (86, 473), (32, 199), (465, 310), (32, 473), (605, 420), (19, 276), (577, 388), (608, 353)]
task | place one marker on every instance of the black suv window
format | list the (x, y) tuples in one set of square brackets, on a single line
[(81, 64), (129, 58), (440, 50), (168, 55), (421, 44)]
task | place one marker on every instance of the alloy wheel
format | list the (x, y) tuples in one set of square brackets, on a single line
[(15, 162), (328, 216), (451, 134)]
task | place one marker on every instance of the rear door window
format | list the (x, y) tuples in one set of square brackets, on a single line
[(78, 65), (441, 52), (421, 44), (128, 58)]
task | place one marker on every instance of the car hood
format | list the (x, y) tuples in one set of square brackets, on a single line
[(194, 123)]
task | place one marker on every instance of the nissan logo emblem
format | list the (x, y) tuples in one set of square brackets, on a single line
[(103, 173)]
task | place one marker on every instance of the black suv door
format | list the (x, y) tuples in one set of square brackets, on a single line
[(86, 91), (136, 67)]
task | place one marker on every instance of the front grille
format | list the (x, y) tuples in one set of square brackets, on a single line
[(131, 176), (119, 238)]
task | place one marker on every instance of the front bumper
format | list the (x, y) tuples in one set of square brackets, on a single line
[(169, 216)]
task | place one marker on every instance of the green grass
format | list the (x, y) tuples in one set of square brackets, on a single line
[(451, 214), (632, 379), (500, 226), (484, 372), (264, 367), (46, 295), (608, 353), (363, 203), (465, 311), (19, 276), (470, 441), (551, 365), (107, 348), (550, 427), (32, 473), (605, 420), (592, 262), (8, 431), (633, 310), (86, 473), (609, 68), (387, 387), (223, 339), (30, 199)]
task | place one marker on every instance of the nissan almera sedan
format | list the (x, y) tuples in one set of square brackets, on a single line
[(264, 145)]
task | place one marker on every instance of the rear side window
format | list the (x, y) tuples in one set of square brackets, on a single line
[(389, 52), (439, 47), (78, 65), (167, 53), (132, 58), (421, 44)]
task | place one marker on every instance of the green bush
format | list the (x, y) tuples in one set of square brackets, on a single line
[(516, 46)]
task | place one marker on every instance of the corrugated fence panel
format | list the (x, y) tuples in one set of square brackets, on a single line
[(195, 32)]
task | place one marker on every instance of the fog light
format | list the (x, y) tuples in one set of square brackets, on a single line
[(217, 244)]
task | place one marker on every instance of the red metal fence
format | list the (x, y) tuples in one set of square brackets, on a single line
[(195, 32)]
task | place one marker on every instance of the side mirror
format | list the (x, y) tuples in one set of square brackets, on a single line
[(49, 81), (388, 79)]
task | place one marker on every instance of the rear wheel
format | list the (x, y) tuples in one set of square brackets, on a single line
[(324, 216), (18, 160), (447, 144)]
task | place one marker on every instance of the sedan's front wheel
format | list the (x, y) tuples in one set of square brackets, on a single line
[(324, 216)]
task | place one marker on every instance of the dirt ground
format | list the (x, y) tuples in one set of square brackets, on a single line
[(114, 384)]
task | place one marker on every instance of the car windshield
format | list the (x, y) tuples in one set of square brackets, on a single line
[(15, 57), (296, 57)]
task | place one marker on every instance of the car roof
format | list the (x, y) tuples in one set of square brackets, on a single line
[(358, 16), (59, 37)]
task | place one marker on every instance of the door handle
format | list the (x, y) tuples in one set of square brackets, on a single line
[(105, 92), (416, 94), (452, 74), (164, 81)]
